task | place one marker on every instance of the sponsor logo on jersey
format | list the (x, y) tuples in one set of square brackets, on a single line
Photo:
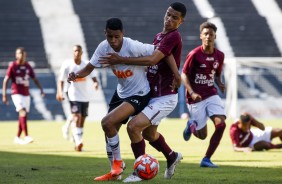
[(203, 79), (80, 79), (123, 74), (203, 66), (210, 59)]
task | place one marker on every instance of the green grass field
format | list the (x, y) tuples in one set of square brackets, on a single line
[(52, 159)]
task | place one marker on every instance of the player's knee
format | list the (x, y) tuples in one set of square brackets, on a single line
[(22, 113), (132, 128), (202, 136), (106, 125)]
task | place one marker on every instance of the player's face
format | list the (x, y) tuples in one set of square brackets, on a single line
[(172, 19), (77, 52), (114, 38), (20, 55), (208, 36)]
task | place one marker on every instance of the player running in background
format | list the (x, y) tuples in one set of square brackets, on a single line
[(202, 68), (19, 72), (244, 138), (78, 94), (131, 95), (163, 99)]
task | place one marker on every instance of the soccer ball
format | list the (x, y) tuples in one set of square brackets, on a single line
[(146, 167)]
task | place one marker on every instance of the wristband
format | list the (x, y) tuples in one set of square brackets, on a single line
[(191, 93)]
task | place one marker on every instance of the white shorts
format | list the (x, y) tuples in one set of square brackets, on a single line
[(21, 101), (160, 107), (201, 111), (260, 135)]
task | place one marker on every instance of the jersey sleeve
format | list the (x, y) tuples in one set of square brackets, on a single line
[(234, 136), (9, 70), (168, 43), (219, 70), (100, 51), (31, 73), (141, 49), (188, 63)]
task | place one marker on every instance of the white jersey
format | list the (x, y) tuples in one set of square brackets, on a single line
[(77, 90), (132, 79)]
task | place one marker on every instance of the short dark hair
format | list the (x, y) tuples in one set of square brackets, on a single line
[(245, 118), (179, 7), (207, 25), (114, 24)]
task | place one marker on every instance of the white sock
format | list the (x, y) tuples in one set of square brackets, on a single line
[(109, 153), (76, 135), (114, 144)]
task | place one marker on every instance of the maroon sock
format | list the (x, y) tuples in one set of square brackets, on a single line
[(24, 125), (162, 146), (138, 148), (215, 139), (19, 128)]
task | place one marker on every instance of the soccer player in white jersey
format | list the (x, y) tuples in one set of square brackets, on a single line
[(132, 93), (161, 76), (78, 94)]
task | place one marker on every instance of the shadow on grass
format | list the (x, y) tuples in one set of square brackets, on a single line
[(41, 169)]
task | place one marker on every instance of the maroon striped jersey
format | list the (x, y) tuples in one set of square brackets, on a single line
[(240, 138), (20, 74), (201, 69), (160, 76)]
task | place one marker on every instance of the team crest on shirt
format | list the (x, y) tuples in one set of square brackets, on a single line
[(215, 65)]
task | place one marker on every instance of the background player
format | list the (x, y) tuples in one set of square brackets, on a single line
[(19, 72), (244, 138), (163, 99), (201, 70), (78, 94)]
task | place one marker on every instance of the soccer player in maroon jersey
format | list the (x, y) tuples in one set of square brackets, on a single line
[(19, 72), (201, 70), (161, 76), (244, 138)]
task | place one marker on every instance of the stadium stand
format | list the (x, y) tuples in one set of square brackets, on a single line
[(247, 31), (20, 27)]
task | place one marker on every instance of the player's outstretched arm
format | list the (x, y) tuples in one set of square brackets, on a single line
[(4, 90), (220, 84), (256, 123), (177, 78), (59, 95), (242, 149), (185, 80), (37, 83), (82, 73), (113, 59)]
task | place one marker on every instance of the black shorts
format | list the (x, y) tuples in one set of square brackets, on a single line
[(138, 103), (79, 108)]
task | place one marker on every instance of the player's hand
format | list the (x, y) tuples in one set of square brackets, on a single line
[(72, 77), (221, 86), (196, 97), (176, 83), (5, 100), (96, 85), (42, 93), (247, 150), (60, 97), (110, 59)]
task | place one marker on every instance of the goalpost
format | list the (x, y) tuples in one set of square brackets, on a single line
[(254, 85)]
